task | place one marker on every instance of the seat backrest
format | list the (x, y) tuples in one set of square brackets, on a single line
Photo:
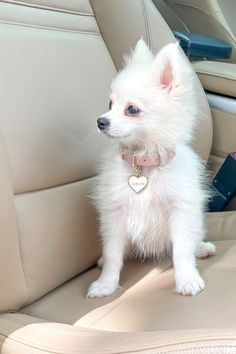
[(210, 18), (55, 73)]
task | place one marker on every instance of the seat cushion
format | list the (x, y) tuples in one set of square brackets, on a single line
[(147, 300)]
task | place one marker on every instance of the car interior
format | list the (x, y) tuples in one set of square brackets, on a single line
[(58, 58)]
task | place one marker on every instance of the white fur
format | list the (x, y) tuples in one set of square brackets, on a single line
[(168, 216)]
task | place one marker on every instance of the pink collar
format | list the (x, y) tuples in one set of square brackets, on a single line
[(146, 160)]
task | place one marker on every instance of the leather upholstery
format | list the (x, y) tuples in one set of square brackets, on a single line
[(146, 303), (56, 103), (116, 17), (146, 300), (55, 72), (65, 239), (38, 338), (79, 7), (224, 133), (215, 18), (51, 95), (217, 77), (13, 287)]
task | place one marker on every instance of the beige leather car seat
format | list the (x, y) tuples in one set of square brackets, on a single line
[(215, 18), (57, 60)]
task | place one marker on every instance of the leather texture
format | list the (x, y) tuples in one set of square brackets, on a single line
[(58, 232), (217, 77), (39, 17), (51, 95), (56, 66), (55, 99), (147, 300), (170, 16), (224, 132), (142, 305), (12, 280), (79, 307), (80, 7), (38, 338), (221, 225), (116, 17), (213, 18)]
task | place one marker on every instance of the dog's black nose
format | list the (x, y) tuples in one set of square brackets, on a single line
[(103, 123)]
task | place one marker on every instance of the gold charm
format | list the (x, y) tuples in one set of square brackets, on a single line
[(137, 182)]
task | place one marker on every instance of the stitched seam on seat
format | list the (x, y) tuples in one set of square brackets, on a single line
[(160, 344), (131, 350), (17, 243), (223, 28), (145, 10), (192, 6), (211, 15), (48, 8), (212, 74), (199, 347), (147, 38), (13, 341), (124, 352), (179, 18), (21, 260), (8, 318), (54, 186), (48, 28)]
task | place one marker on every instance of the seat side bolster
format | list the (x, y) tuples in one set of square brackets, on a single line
[(60, 338), (12, 280)]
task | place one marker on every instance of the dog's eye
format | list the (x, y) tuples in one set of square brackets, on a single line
[(132, 110), (110, 105)]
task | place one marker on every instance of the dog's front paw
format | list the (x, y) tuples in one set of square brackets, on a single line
[(205, 250), (101, 289), (190, 285)]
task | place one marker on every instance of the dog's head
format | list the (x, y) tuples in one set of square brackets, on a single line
[(152, 100)]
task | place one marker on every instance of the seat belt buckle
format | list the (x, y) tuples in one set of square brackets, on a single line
[(224, 184)]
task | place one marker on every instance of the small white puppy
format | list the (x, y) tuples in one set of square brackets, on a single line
[(150, 193)]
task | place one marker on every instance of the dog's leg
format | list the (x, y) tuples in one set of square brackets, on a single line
[(205, 250), (186, 229), (112, 261), (127, 255)]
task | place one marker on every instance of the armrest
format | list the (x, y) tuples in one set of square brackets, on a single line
[(199, 46), (217, 76)]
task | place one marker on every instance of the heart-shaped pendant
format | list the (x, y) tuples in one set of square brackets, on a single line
[(138, 183)]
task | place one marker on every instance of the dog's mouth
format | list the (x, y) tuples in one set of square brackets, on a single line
[(113, 136)]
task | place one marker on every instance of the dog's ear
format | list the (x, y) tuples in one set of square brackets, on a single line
[(140, 55), (163, 69)]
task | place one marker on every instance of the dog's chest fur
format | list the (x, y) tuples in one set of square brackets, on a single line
[(144, 216), (147, 212)]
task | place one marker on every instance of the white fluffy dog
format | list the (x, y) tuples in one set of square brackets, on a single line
[(150, 193)]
